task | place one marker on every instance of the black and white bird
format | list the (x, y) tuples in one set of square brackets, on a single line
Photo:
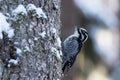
[(71, 47)]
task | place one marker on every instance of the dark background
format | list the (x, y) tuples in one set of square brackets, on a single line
[(100, 55)]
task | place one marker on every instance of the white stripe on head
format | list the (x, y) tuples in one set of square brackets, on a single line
[(84, 35)]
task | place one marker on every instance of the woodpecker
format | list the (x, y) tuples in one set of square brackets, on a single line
[(71, 47)]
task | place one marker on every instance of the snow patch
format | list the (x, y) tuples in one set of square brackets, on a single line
[(31, 7), (19, 10), (13, 61), (18, 51), (27, 48), (16, 43), (59, 41), (38, 12), (54, 30), (5, 27), (54, 50), (35, 38), (43, 34), (10, 33)]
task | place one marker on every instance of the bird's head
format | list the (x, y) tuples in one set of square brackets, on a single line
[(82, 34)]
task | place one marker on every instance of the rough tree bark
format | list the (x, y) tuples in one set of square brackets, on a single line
[(38, 39)]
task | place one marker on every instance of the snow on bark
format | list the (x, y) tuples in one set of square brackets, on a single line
[(13, 61), (5, 27), (20, 10), (43, 34), (38, 12), (19, 13), (35, 37)]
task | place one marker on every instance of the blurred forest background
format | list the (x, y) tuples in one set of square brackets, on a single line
[(100, 55)]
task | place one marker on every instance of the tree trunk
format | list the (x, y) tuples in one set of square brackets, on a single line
[(37, 36)]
